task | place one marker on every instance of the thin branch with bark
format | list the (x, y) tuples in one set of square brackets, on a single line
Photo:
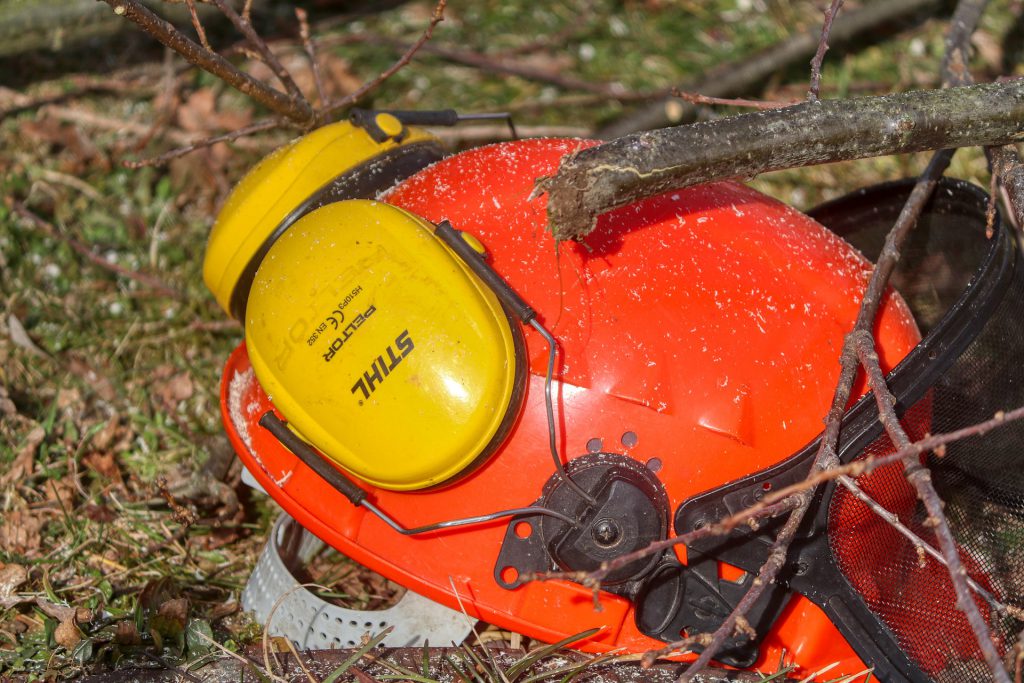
[(819, 56), (826, 456), (257, 43), (920, 477), (258, 127), (784, 500), (82, 250), (307, 43), (697, 98), (275, 100), (746, 75), (435, 18)]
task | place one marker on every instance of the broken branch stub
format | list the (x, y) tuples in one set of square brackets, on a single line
[(633, 167)]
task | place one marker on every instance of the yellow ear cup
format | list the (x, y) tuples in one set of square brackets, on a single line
[(382, 348), (338, 161)]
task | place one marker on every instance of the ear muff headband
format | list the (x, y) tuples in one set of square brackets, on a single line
[(364, 181)]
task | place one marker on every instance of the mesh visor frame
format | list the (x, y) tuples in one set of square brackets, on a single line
[(884, 600)]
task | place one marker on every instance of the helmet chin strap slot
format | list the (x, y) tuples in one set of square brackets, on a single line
[(357, 496)]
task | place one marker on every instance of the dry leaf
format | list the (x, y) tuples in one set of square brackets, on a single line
[(105, 465), (989, 48), (339, 79), (64, 613), (126, 633), (19, 533), (104, 438), (222, 610), (195, 113), (24, 460), (67, 634), (12, 576), (80, 367), (335, 72), (171, 617), (61, 491), (174, 390), (7, 407), (20, 337), (99, 513), (199, 114), (68, 398)]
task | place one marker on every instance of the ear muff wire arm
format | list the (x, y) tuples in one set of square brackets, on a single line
[(357, 496), (475, 259)]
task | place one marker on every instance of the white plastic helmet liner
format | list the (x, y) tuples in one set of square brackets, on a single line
[(314, 624)]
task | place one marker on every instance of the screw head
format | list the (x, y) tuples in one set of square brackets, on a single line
[(606, 532)]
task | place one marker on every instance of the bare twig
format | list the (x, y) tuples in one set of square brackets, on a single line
[(819, 56), (955, 69), (579, 100), (894, 521), (509, 68), (1006, 164), (748, 74), (920, 477), (198, 25), (697, 98), (257, 43), (826, 456), (500, 65), (84, 117), (480, 134), (50, 230), (786, 499), (307, 43), (133, 82), (766, 576), (259, 126), (166, 33), (436, 17)]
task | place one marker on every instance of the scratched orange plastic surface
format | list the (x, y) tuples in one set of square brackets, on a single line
[(706, 321)]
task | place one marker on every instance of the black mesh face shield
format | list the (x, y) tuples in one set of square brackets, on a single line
[(892, 600)]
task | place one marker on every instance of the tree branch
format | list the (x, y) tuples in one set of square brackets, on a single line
[(921, 479), (436, 18), (166, 33), (819, 56), (82, 250), (617, 173), (750, 73), (266, 56), (826, 456)]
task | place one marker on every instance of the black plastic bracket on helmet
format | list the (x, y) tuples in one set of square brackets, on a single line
[(680, 600), (629, 511)]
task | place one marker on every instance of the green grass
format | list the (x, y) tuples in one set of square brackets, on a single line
[(101, 535)]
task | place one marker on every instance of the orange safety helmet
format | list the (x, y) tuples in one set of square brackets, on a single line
[(698, 335)]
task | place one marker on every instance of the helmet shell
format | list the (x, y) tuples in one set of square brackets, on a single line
[(699, 334)]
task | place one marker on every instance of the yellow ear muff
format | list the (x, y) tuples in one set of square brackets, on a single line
[(382, 348), (336, 162)]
